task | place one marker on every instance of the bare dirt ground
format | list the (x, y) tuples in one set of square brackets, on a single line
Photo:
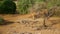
[(30, 27)]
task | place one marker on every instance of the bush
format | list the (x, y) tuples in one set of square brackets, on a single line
[(8, 7), (0, 2), (23, 6)]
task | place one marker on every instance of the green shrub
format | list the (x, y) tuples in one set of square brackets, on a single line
[(0, 2), (8, 7), (24, 5)]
